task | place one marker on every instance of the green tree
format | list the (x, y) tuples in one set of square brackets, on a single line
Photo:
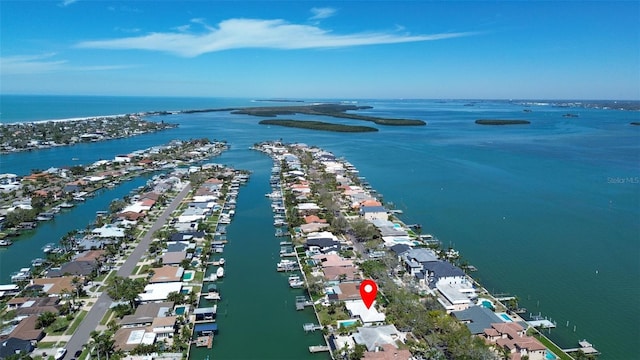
[(121, 288), (45, 319)]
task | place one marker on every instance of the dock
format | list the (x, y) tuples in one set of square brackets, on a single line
[(311, 327), (202, 341), (318, 348), (302, 302), (545, 324), (585, 346)]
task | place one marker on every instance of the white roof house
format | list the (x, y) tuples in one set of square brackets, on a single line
[(159, 292), (367, 316)]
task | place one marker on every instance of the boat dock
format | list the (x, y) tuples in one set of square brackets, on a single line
[(202, 341), (302, 302), (311, 327), (585, 346), (318, 348)]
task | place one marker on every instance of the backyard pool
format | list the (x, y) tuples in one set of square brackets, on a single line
[(504, 317), (180, 310), (345, 323), (188, 275)]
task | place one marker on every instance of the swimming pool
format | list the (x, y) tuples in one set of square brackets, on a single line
[(180, 310), (345, 323), (549, 356), (504, 317), (188, 275), (486, 303)]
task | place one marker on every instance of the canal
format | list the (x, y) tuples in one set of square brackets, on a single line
[(28, 245), (256, 317)]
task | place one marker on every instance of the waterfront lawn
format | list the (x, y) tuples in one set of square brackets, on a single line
[(328, 315), (551, 346)]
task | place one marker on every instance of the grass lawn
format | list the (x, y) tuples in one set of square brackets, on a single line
[(329, 319), (58, 327), (76, 322), (106, 317), (46, 344), (553, 347)]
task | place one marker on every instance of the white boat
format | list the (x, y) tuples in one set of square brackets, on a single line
[(220, 272), (295, 282), (5, 242), (66, 205), (22, 275), (49, 248), (287, 265)]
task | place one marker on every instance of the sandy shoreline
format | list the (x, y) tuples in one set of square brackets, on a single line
[(69, 119)]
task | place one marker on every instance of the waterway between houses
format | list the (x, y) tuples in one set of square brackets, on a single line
[(256, 318), (28, 246)]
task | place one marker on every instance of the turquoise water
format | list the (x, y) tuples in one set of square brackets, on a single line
[(487, 304), (188, 275), (345, 323), (505, 317), (180, 310), (548, 212)]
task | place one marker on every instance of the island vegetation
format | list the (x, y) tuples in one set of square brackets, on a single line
[(502, 122), (333, 110), (317, 125)]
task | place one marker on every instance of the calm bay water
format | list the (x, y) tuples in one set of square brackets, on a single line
[(548, 212)]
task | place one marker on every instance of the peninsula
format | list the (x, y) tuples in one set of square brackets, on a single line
[(46, 134), (318, 125)]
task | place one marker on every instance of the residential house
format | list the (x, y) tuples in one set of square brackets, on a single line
[(388, 352), (55, 286), (512, 336), (166, 274), (12, 346), (26, 330), (374, 337), (368, 316), (372, 213), (146, 313), (476, 318)]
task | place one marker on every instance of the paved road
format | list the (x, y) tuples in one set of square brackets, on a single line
[(99, 309)]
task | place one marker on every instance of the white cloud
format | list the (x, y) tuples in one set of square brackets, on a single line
[(44, 63), (66, 3), (322, 13), (255, 33)]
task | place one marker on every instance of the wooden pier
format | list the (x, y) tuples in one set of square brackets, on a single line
[(202, 341), (311, 327), (318, 348), (585, 347)]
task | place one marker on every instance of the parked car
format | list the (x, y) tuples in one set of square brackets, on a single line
[(60, 353)]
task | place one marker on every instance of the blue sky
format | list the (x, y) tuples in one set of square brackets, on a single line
[(322, 49)]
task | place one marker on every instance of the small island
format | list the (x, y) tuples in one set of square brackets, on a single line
[(317, 125), (502, 122), (333, 110)]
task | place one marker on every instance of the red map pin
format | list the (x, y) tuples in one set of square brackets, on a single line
[(368, 292)]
